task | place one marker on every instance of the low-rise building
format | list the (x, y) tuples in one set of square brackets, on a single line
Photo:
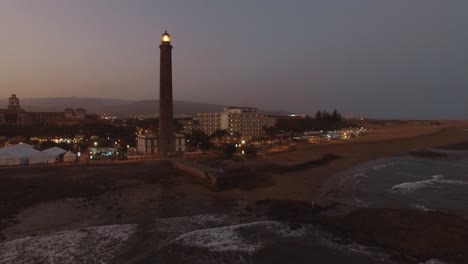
[(16, 115), (148, 144)]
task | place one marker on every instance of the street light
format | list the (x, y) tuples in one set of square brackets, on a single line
[(95, 144)]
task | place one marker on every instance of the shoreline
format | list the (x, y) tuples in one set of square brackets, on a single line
[(307, 185)]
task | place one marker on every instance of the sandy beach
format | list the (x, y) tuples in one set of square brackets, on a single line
[(394, 140)]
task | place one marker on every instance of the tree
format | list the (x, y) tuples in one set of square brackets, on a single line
[(65, 146), (219, 136), (336, 116), (219, 133), (229, 149), (46, 145), (318, 115), (250, 152), (199, 139), (270, 132), (326, 115), (178, 127)]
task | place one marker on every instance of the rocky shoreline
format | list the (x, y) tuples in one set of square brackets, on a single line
[(412, 236)]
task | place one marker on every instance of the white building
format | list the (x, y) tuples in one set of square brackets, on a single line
[(246, 122), (148, 144)]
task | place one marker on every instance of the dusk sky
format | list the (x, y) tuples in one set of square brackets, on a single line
[(389, 59)]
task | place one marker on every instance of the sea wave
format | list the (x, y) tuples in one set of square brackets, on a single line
[(72, 246), (360, 203), (383, 166), (422, 208), (240, 238), (359, 173), (408, 187), (229, 238), (433, 261)]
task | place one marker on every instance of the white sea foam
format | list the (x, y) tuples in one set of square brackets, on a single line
[(88, 245), (422, 208), (359, 173), (218, 239), (453, 182), (228, 238), (174, 223), (408, 187), (383, 166), (331, 241), (433, 261), (248, 238), (360, 203)]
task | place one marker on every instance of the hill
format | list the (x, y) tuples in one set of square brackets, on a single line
[(115, 107)]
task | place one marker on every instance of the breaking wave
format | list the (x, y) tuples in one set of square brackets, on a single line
[(433, 261), (228, 238), (408, 187), (383, 166), (88, 245), (360, 203), (422, 208)]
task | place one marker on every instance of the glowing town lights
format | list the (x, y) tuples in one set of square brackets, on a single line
[(243, 141), (95, 143)]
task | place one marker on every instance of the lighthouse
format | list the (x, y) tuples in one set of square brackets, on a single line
[(166, 144)]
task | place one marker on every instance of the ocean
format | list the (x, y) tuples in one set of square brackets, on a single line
[(427, 184)]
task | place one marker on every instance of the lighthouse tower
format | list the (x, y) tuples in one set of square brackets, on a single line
[(166, 137)]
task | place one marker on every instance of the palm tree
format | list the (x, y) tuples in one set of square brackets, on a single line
[(219, 136)]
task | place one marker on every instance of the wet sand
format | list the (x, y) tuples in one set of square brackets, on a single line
[(38, 200)]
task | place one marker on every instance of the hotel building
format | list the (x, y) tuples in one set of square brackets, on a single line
[(246, 122)]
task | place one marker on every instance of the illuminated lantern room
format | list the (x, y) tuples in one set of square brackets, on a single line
[(166, 37)]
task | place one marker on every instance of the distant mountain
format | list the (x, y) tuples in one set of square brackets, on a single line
[(115, 107)]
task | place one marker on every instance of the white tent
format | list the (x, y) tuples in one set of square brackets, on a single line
[(56, 151), (69, 157), (7, 159), (16, 155), (42, 157)]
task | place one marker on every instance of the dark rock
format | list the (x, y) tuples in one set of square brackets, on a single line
[(289, 210), (422, 235), (428, 154)]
